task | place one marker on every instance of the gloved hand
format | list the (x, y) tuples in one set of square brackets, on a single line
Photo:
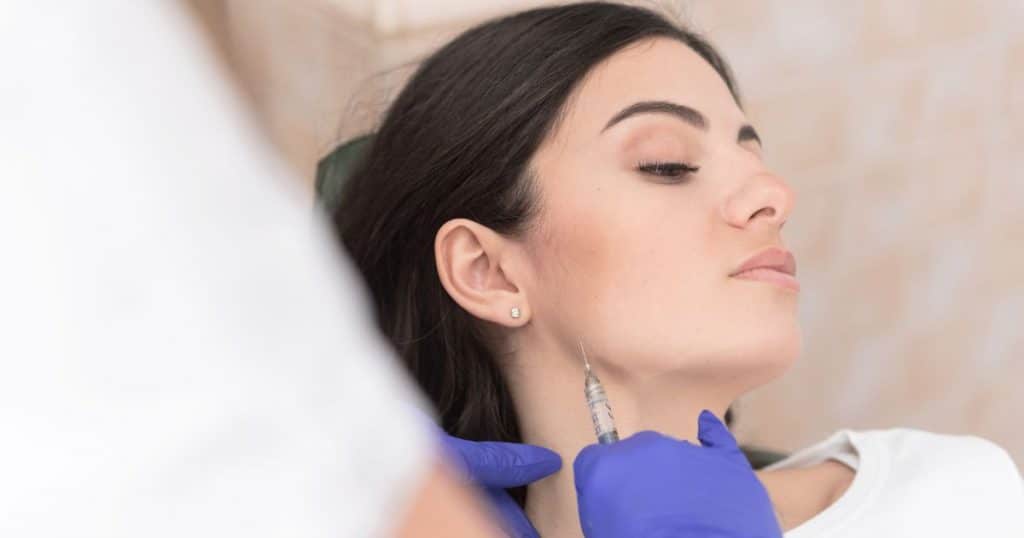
[(651, 485), (495, 466)]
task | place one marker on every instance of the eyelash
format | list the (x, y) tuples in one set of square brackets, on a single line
[(672, 170)]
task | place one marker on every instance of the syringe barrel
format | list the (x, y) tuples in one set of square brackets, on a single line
[(600, 411)]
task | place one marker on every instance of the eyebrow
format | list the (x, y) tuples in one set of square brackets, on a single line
[(683, 112)]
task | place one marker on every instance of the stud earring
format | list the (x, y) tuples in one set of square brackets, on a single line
[(516, 313)]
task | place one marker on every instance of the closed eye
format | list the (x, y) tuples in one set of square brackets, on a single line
[(671, 170)]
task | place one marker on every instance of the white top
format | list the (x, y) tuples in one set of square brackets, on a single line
[(911, 483), (182, 350)]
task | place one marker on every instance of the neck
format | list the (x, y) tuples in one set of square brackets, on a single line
[(548, 391)]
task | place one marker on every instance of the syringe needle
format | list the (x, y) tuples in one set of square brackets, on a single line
[(584, 353)]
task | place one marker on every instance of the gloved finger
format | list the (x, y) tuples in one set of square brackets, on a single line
[(584, 461), (638, 443), (713, 433), (504, 465), (513, 520)]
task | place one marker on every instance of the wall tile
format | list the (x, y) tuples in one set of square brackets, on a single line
[(890, 27), (802, 129)]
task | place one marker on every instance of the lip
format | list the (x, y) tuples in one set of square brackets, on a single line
[(773, 264)]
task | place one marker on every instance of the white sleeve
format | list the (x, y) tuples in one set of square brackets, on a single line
[(992, 478), (183, 351)]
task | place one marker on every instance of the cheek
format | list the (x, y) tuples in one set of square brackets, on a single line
[(574, 258), (626, 262)]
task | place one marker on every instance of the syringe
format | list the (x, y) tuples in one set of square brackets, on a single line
[(597, 401)]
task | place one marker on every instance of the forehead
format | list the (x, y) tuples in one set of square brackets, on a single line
[(659, 69)]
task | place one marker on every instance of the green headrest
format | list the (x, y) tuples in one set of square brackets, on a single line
[(335, 168)]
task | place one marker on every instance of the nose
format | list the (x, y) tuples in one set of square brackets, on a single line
[(765, 199)]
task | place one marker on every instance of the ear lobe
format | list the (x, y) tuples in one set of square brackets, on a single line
[(471, 263)]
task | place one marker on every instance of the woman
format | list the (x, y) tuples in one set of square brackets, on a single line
[(586, 174)]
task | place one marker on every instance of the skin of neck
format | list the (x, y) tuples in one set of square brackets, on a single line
[(547, 387)]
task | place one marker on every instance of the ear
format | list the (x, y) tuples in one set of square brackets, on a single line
[(475, 266)]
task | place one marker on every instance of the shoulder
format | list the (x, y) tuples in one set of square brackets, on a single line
[(966, 464), (907, 445), (950, 485)]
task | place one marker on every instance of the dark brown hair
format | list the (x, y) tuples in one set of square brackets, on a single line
[(457, 142)]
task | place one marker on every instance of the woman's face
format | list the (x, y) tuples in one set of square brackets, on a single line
[(636, 262)]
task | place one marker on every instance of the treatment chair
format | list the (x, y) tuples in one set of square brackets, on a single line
[(331, 173)]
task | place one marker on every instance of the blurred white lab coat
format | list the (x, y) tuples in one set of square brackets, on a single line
[(182, 352)]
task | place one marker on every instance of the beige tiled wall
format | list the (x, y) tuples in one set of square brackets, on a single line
[(901, 126)]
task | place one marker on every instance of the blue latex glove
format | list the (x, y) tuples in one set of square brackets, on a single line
[(495, 466), (652, 485)]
